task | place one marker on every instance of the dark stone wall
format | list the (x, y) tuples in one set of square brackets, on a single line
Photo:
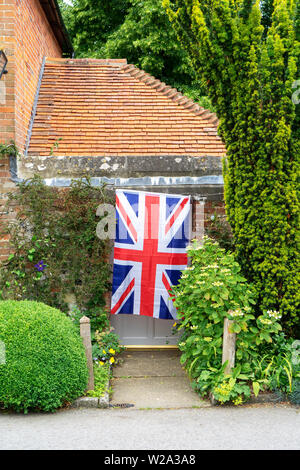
[(122, 167), (171, 174)]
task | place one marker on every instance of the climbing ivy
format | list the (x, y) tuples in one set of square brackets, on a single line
[(248, 54)]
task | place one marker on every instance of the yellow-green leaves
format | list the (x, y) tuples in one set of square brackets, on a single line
[(256, 388), (249, 57)]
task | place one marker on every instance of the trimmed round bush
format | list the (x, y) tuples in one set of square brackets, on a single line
[(45, 365)]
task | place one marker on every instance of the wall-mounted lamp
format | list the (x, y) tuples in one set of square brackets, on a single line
[(3, 63)]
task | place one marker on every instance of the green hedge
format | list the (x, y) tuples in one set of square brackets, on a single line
[(248, 55), (45, 365)]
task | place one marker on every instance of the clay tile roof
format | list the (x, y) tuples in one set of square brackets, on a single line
[(102, 107)]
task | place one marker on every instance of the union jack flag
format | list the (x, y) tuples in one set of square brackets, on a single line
[(152, 233)]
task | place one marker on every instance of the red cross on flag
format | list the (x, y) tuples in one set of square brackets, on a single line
[(152, 234)]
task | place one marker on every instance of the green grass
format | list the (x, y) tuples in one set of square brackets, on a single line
[(102, 375)]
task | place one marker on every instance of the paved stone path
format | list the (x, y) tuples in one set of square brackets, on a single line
[(153, 379), (244, 427)]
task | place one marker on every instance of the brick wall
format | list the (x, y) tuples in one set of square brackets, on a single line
[(7, 42), (202, 213), (26, 38), (213, 208), (7, 104)]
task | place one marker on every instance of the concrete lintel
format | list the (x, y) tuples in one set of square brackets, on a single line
[(119, 166)]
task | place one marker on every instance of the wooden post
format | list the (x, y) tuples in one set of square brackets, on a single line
[(228, 346), (85, 333), (228, 352)]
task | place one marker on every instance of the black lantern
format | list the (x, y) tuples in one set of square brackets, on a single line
[(3, 62)]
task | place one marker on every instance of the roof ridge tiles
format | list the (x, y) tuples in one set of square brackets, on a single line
[(85, 61), (170, 92)]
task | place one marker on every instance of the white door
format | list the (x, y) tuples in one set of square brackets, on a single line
[(141, 330)]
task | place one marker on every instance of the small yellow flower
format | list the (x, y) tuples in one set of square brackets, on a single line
[(112, 360), (101, 363), (238, 401), (112, 351), (266, 321), (174, 324), (103, 350)]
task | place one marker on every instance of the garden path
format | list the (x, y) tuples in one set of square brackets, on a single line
[(153, 379)]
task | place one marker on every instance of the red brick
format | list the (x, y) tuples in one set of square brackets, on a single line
[(26, 37)]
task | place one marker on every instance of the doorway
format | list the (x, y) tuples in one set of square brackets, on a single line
[(135, 330)]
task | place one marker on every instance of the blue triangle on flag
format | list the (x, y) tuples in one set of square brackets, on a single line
[(171, 203), (122, 234), (127, 308), (133, 200), (180, 239), (119, 273), (174, 276)]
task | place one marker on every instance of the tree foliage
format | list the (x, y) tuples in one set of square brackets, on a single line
[(248, 54), (90, 22), (146, 39)]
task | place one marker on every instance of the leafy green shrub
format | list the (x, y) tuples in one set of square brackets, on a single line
[(105, 343), (101, 378), (7, 150), (276, 365), (45, 364), (98, 317), (210, 290), (107, 346)]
